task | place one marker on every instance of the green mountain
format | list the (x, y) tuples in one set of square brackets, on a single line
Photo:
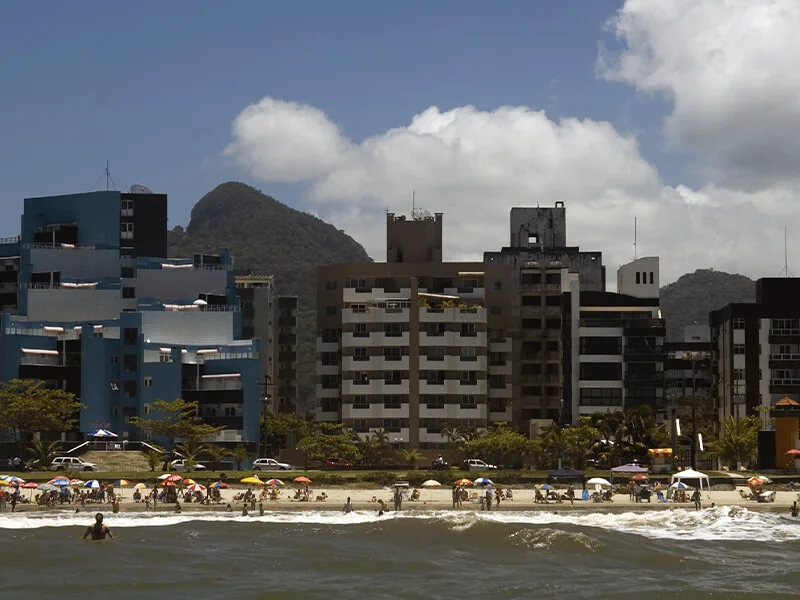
[(689, 300), (266, 236)]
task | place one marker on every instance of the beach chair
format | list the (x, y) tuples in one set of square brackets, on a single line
[(660, 496)]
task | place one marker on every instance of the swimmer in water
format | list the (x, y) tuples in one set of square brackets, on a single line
[(98, 531)]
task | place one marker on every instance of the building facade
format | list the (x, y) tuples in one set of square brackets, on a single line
[(613, 344), (102, 313), (540, 260), (409, 347), (756, 349)]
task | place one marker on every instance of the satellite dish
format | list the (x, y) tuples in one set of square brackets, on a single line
[(138, 188), (200, 302)]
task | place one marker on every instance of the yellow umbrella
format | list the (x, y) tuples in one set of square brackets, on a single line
[(140, 486), (189, 481), (252, 479), (4, 482)]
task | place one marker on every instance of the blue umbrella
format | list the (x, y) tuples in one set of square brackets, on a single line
[(102, 433), (483, 481), (679, 485), (546, 486), (92, 483)]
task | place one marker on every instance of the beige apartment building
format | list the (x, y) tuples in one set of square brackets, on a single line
[(415, 343)]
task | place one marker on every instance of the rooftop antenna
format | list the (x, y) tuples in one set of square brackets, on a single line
[(785, 271), (413, 201), (635, 255)]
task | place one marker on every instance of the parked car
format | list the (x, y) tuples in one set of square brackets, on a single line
[(476, 464), (270, 464), (338, 463), (180, 465), (71, 463)]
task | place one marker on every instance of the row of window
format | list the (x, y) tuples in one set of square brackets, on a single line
[(360, 283)]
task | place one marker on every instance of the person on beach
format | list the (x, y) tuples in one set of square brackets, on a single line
[(696, 498), (261, 509), (488, 503), (398, 499), (348, 507), (795, 509), (98, 531), (571, 494)]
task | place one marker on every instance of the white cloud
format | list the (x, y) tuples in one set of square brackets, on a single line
[(729, 67), (475, 165)]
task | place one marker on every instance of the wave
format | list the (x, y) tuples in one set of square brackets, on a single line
[(720, 523)]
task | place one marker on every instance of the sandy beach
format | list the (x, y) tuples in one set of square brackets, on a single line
[(430, 499)]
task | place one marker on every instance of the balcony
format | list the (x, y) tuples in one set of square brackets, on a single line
[(643, 353), (644, 328), (50, 358), (643, 379), (226, 422)]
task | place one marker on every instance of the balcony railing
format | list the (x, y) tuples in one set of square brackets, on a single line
[(784, 356)]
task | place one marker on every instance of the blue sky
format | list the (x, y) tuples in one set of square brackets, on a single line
[(154, 86)]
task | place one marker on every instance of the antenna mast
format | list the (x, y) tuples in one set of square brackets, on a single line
[(785, 271), (635, 255)]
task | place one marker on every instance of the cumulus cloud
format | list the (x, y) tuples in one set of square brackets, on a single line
[(729, 67), (475, 165)]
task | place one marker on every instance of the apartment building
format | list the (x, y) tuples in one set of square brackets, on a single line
[(540, 260), (613, 343), (102, 313), (688, 367), (756, 349), (415, 343)]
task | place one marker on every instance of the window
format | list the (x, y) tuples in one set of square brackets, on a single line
[(392, 401), (469, 377), (358, 308), (651, 278), (358, 284), (148, 382), (330, 285), (738, 348), (360, 354), (115, 359), (606, 345), (393, 377), (360, 401), (497, 359), (434, 401), (552, 300), (330, 311), (130, 389), (361, 378), (600, 397), (329, 382), (497, 285), (738, 323), (130, 363), (126, 231), (393, 330), (738, 373), (392, 425), (498, 382), (436, 353), (360, 330), (128, 292), (469, 330), (126, 208), (360, 425), (329, 359), (128, 273), (329, 405), (468, 285), (130, 336), (393, 353), (469, 401), (552, 278), (435, 377), (600, 371), (435, 329), (552, 323), (165, 357), (469, 353)]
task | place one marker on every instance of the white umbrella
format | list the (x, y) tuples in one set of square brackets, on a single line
[(679, 485), (92, 483), (431, 483), (483, 481), (102, 433), (598, 481)]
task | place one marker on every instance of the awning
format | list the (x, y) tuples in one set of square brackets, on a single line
[(38, 351), (566, 474), (630, 468)]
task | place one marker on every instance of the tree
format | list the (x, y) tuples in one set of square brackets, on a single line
[(499, 445), (737, 443), (331, 440), (411, 457), (27, 406), (376, 448), (277, 428), (153, 458), (43, 453), (238, 455), (192, 449), (174, 419), (215, 454)]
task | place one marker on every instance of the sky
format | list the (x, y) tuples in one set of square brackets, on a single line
[(681, 114)]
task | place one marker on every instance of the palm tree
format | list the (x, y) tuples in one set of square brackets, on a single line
[(238, 454), (43, 453), (738, 440), (154, 457), (192, 449), (215, 454), (411, 457)]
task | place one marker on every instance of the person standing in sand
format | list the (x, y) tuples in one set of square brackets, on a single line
[(348, 506), (98, 531), (696, 498)]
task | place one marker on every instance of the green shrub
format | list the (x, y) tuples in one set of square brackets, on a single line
[(382, 478)]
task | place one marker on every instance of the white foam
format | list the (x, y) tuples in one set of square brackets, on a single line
[(721, 523)]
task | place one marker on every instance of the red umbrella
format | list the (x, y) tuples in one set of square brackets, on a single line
[(29, 486), (168, 483), (639, 477), (793, 452)]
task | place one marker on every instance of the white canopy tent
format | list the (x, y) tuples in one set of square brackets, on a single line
[(691, 475)]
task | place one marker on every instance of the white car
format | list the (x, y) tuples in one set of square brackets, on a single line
[(71, 463), (180, 465), (476, 464), (270, 464)]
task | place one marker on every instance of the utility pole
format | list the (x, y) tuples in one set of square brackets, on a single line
[(694, 411)]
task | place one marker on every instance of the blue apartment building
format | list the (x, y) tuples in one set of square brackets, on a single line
[(91, 304)]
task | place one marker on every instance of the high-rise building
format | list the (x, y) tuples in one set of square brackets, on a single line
[(102, 313), (613, 343), (409, 346), (538, 259)]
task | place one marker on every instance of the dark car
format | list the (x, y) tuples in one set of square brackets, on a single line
[(338, 463)]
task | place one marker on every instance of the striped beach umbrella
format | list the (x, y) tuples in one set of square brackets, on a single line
[(483, 481), (76, 482), (140, 486), (196, 487), (59, 481), (431, 483), (220, 485), (274, 482), (92, 484)]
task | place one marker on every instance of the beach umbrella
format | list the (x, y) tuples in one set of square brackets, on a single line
[(302, 479), (92, 483), (464, 482), (274, 482), (639, 477), (679, 485), (102, 433), (220, 485), (13, 480), (76, 482), (253, 479), (170, 477), (431, 483), (483, 481), (29, 486), (793, 452), (196, 487), (189, 481), (122, 482), (168, 483), (546, 487), (60, 481), (47, 487), (140, 486), (758, 481), (598, 481)]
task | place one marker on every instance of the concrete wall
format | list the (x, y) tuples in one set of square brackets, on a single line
[(62, 304), (188, 327), (548, 225), (639, 278), (179, 283), (82, 264), (97, 215)]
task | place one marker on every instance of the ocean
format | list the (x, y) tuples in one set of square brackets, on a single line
[(715, 553)]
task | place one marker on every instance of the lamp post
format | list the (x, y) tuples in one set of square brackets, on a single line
[(265, 398)]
